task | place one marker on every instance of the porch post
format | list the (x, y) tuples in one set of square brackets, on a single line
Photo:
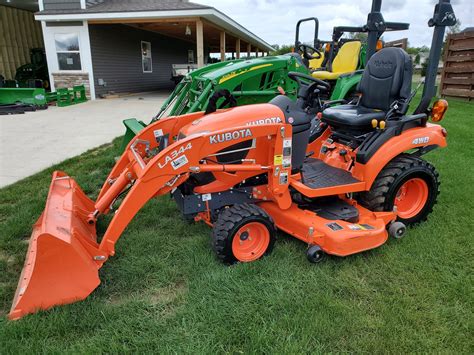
[(199, 44), (237, 48), (249, 49), (222, 46)]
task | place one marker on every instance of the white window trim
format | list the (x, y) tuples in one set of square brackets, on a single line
[(66, 31), (85, 53), (79, 51), (151, 58)]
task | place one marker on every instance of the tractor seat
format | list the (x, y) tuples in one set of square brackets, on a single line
[(346, 61), (386, 78), (316, 63), (351, 117)]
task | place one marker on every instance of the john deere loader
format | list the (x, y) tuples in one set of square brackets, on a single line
[(249, 81)]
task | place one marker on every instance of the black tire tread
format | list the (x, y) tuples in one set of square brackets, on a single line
[(376, 199), (226, 222)]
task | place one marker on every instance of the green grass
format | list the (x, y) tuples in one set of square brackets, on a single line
[(165, 291)]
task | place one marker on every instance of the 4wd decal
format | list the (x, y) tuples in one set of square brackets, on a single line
[(173, 157), (265, 121), (229, 136), (421, 140)]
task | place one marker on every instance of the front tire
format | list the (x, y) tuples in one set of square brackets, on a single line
[(243, 233), (409, 183)]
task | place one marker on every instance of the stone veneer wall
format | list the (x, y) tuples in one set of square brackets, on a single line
[(68, 80)]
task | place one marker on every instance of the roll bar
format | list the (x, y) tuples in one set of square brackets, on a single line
[(316, 31), (443, 16), (375, 27)]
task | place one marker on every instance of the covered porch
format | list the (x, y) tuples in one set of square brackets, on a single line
[(209, 39)]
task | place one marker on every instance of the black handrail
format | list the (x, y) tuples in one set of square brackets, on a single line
[(443, 16)]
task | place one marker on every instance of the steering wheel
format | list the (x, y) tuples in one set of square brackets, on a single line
[(297, 76), (304, 48), (229, 101), (308, 93)]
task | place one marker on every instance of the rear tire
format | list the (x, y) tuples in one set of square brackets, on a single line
[(407, 182), (243, 233)]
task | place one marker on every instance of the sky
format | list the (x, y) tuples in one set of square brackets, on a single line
[(274, 20)]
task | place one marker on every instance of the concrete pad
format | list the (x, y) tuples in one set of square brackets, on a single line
[(34, 141)]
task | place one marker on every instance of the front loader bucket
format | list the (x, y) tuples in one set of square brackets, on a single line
[(60, 267)]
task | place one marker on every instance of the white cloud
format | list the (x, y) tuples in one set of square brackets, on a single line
[(275, 20)]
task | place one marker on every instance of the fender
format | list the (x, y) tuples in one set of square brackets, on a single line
[(344, 84), (419, 137)]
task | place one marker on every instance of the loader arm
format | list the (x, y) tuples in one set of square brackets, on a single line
[(64, 256)]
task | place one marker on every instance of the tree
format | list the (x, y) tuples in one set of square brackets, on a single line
[(451, 30), (283, 49), (424, 67), (358, 36), (417, 58), (456, 28)]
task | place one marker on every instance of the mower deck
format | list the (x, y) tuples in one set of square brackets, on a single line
[(336, 237)]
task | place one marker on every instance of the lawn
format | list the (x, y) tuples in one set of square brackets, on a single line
[(165, 291)]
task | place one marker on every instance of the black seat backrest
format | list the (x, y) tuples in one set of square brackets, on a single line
[(387, 77)]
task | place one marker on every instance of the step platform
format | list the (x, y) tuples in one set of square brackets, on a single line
[(316, 174)]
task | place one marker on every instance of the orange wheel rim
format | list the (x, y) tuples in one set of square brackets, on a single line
[(251, 241), (411, 198)]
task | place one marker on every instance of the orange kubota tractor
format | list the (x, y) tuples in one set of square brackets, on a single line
[(341, 180)]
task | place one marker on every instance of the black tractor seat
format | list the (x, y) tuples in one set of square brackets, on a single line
[(386, 78), (351, 117)]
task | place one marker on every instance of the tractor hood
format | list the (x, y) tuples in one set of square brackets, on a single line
[(238, 67), (239, 116)]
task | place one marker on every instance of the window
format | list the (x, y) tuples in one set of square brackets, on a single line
[(190, 56), (146, 57), (67, 49)]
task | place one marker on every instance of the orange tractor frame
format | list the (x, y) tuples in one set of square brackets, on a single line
[(316, 171)]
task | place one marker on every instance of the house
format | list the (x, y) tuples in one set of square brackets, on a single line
[(130, 46)]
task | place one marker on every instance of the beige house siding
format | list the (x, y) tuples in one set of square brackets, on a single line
[(19, 32)]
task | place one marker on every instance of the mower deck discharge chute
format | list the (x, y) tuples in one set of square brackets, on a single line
[(335, 177)]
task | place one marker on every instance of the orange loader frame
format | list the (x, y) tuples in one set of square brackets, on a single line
[(64, 245)]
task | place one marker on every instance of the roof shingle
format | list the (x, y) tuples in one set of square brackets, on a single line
[(100, 6)]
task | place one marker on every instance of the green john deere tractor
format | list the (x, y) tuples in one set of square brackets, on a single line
[(249, 81)]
